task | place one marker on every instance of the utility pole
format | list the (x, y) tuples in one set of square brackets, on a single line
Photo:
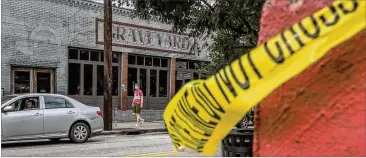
[(107, 106)]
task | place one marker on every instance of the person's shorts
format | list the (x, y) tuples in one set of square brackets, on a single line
[(136, 109)]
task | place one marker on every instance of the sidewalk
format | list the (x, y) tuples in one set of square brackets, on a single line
[(129, 128)]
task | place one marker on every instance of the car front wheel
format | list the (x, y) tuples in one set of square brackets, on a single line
[(79, 132)]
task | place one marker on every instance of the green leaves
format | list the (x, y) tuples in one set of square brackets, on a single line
[(232, 25)]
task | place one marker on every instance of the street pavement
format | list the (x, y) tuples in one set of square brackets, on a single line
[(145, 145), (130, 128)]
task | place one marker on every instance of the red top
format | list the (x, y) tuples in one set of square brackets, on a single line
[(137, 99)]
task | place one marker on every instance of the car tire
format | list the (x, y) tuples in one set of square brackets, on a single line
[(55, 139), (244, 123), (79, 132)]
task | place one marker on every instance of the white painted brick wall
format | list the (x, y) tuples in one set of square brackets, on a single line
[(38, 33)]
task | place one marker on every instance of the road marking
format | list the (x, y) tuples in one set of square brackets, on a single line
[(159, 154)]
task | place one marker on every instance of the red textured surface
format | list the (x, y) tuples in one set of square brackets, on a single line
[(322, 111)]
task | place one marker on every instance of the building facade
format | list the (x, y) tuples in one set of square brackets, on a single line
[(56, 46)]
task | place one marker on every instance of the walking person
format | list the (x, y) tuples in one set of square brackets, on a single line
[(137, 104)]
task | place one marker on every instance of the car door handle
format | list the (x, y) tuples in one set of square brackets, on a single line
[(71, 112), (37, 114)]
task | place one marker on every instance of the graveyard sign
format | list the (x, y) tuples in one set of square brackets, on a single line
[(148, 38)]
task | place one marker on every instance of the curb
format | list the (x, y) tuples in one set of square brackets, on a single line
[(132, 131)]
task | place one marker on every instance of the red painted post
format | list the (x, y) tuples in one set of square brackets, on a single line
[(321, 112)]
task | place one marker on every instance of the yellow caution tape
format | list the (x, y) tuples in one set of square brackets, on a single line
[(203, 112)]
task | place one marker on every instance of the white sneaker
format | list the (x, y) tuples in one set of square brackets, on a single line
[(137, 125), (141, 122)]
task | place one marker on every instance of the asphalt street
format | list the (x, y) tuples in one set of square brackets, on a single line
[(147, 145)]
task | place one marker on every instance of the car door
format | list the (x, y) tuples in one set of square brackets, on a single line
[(59, 114), (21, 122)]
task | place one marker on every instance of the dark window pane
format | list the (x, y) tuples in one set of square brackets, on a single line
[(21, 82), (101, 56), (74, 79), (132, 79), (163, 83), (88, 79), (148, 61), (178, 85), (140, 60), (143, 80), (54, 102), (164, 62), (115, 57), (73, 54), (195, 76), (153, 82), (100, 80), (94, 56), (115, 80), (192, 64), (187, 80), (84, 55), (43, 82), (156, 62), (132, 59)]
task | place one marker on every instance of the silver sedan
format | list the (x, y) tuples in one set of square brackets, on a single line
[(48, 116)]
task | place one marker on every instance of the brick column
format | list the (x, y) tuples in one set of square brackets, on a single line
[(124, 80), (172, 77)]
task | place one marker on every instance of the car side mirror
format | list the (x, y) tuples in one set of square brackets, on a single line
[(8, 108)]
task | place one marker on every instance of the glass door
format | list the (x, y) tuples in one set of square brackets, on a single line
[(44, 81)]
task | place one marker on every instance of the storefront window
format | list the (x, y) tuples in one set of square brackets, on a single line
[(22, 82), (132, 78), (115, 80), (148, 61), (163, 83), (73, 54), (164, 62), (178, 85), (102, 56), (94, 56), (100, 80), (43, 82), (140, 60), (195, 75), (153, 82), (143, 80), (84, 55), (132, 59), (115, 58), (88, 79), (156, 62)]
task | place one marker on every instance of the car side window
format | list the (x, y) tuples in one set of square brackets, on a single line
[(55, 103), (69, 105), (27, 103)]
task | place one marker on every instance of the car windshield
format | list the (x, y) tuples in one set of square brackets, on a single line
[(6, 98)]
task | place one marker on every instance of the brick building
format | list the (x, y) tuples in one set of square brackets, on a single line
[(56, 46)]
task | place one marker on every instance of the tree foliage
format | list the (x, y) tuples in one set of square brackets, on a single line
[(232, 25)]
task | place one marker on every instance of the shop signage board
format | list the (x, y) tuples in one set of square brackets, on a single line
[(147, 38)]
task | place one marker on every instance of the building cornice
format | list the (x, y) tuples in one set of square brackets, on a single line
[(90, 5)]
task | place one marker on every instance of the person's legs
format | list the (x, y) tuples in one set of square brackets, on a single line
[(138, 111), (135, 112)]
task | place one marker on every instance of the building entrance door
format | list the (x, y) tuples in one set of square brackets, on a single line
[(153, 76), (32, 80)]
